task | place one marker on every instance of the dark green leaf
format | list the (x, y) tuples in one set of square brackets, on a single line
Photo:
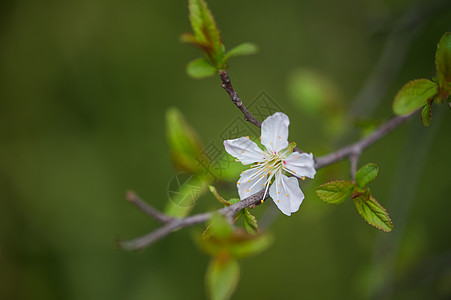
[(366, 174), (414, 95), (443, 61), (426, 114), (242, 49), (335, 192), (371, 210), (222, 277), (250, 222), (200, 68)]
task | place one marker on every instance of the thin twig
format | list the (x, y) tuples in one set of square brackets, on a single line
[(149, 210), (354, 159)]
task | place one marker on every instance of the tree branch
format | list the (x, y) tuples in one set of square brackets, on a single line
[(352, 152)]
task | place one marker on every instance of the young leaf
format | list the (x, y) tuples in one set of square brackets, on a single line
[(205, 30), (242, 49), (217, 196), (414, 95), (366, 174), (244, 245), (443, 61), (222, 277), (426, 114), (250, 222), (335, 192), (200, 68), (374, 213), (183, 141)]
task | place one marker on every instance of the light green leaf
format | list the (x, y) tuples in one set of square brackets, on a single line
[(244, 245), (443, 61), (242, 49), (220, 227), (414, 95), (335, 192), (205, 30), (184, 194), (366, 174), (183, 141), (200, 68), (217, 196), (426, 114), (222, 278), (250, 222), (374, 213)]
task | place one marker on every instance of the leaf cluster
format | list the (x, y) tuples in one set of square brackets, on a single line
[(367, 206), (424, 92), (207, 38)]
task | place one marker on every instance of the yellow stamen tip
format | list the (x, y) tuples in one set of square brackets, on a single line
[(303, 178), (242, 151), (239, 183), (248, 191), (287, 195), (247, 136), (248, 181), (278, 200), (262, 200)]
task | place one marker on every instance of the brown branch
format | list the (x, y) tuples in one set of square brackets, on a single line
[(352, 152), (172, 224)]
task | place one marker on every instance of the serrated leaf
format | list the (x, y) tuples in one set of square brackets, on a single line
[(373, 212), (242, 49), (250, 222), (335, 192), (366, 174), (426, 115), (222, 278), (443, 61), (414, 95), (200, 68)]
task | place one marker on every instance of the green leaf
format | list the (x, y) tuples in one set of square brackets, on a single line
[(222, 278), (366, 174), (335, 192), (218, 197), (183, 141), (183, 198), (371, 210), (443, 61), (200, 68), (244, 245), (242, 49), (414, 95), (250, 222), (205, 30), (219, 226), (426, 114)]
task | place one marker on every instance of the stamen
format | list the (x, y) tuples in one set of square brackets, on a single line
[(287, 195), (278, 200), (248, 191), (262, 201), (247, 136), (303, 178)]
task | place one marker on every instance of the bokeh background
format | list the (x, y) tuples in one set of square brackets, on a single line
[(84, 88)]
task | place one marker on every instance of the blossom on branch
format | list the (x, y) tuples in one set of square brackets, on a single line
[(272, 165)]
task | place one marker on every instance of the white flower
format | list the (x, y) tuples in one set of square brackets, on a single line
[(277, 160)]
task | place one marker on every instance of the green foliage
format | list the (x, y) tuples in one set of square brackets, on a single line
[(207, 37), (372, 211), (183, 200), (426, 114), (366, 174), (217, 196), (240, 50), (222, 277), (443, 65), (250, 222), (335, 192), (414, 95), (200, 68), (184, 142)]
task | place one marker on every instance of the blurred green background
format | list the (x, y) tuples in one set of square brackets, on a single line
[(84, 87)]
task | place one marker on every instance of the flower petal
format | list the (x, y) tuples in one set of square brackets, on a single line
[(244, 150), (275, 132), (300, 164), (286, 194), (251, 181)]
